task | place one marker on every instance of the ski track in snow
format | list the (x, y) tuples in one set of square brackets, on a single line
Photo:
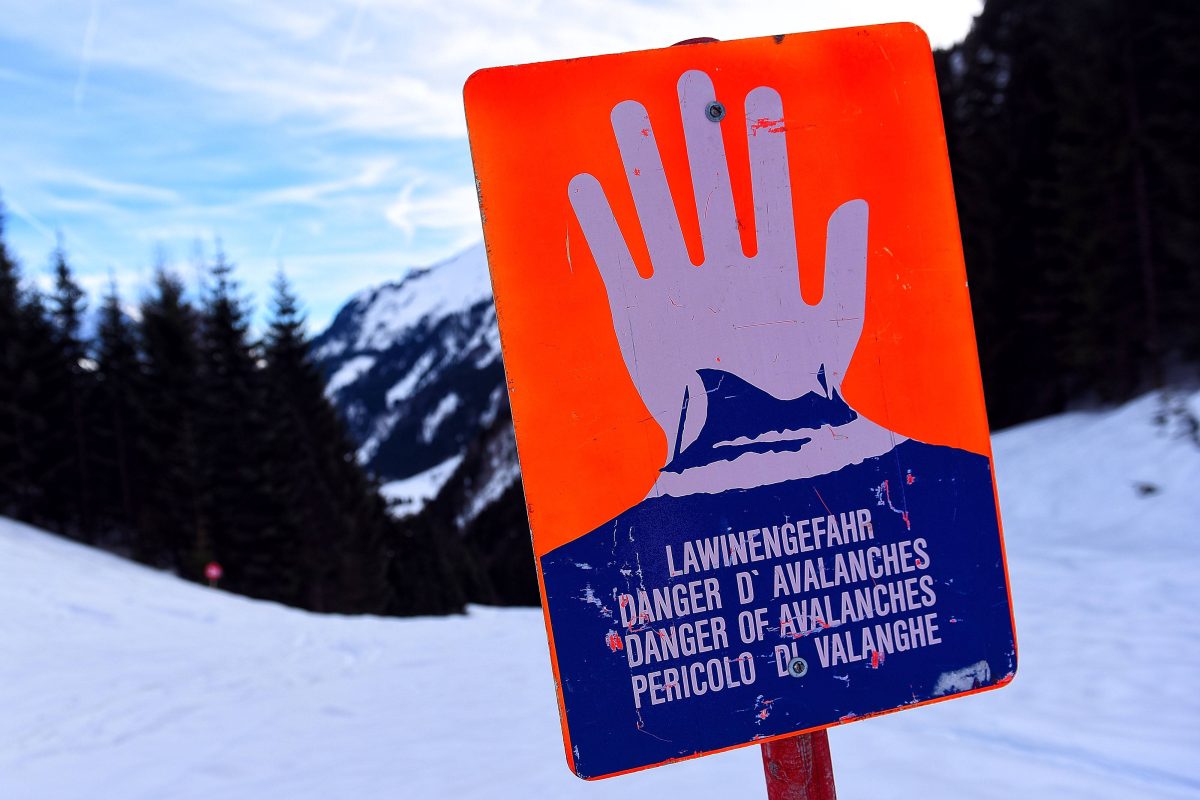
[(121, 682)]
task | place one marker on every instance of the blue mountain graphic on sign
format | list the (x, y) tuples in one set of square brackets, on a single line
[(737, 410)]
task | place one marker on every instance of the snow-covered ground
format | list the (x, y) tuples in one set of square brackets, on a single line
[(120, 682)]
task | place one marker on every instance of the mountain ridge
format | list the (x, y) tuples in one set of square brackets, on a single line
[(413, 366)]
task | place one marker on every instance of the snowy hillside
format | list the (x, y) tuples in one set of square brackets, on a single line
[(414, 368), (119, 682)]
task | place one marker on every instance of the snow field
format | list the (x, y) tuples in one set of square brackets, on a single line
[(121, 682)]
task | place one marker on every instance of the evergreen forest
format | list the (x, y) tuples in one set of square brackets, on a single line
[(176, 437)]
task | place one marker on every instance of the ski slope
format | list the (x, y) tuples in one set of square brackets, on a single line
[(120, 682)]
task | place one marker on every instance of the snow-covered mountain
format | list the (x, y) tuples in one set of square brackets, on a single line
[(414, 367), (117, 681)]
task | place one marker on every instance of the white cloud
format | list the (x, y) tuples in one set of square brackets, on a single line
[(370, 174), (327, 135), (450, 208), (396, 67), (111, 188), (85, 53), (29, 219)]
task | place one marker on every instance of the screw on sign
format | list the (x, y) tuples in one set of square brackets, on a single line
[(745, 390), (213, 572)]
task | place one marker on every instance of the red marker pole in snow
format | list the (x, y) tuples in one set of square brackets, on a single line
[(799, 768), (213, 572)]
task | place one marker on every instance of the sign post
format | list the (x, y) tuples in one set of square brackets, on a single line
[(213, 572), (799, 768), (742, 370)]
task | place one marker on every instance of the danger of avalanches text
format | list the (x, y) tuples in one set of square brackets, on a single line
[(893, 600)]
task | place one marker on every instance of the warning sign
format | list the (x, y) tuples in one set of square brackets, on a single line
[(738, 341)]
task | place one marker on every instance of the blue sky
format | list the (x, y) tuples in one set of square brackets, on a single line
[(325, 137)]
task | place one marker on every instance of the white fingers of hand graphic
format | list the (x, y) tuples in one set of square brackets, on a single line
[(740, 314)]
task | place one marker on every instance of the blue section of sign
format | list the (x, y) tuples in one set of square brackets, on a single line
[(926, 609)]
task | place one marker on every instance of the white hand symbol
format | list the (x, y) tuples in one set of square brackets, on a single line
[(744, 315)]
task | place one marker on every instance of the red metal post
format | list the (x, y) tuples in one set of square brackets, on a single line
[(799, 768)]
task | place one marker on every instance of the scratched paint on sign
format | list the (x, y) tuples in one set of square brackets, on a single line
[(745, 392)]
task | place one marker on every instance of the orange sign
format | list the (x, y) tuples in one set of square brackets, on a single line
[(739, 351)]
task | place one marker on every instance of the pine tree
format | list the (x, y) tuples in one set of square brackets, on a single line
[(1171, 43), (173, 520), (230, 423), (29, 373), (354, 557), (14, 447), (1001, 112), (69, 383), (117, 450), (490, 551), (36, 393), (316, 485), (1071, 129)]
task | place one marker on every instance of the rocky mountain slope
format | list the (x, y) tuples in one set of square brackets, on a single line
[(414, 367)]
